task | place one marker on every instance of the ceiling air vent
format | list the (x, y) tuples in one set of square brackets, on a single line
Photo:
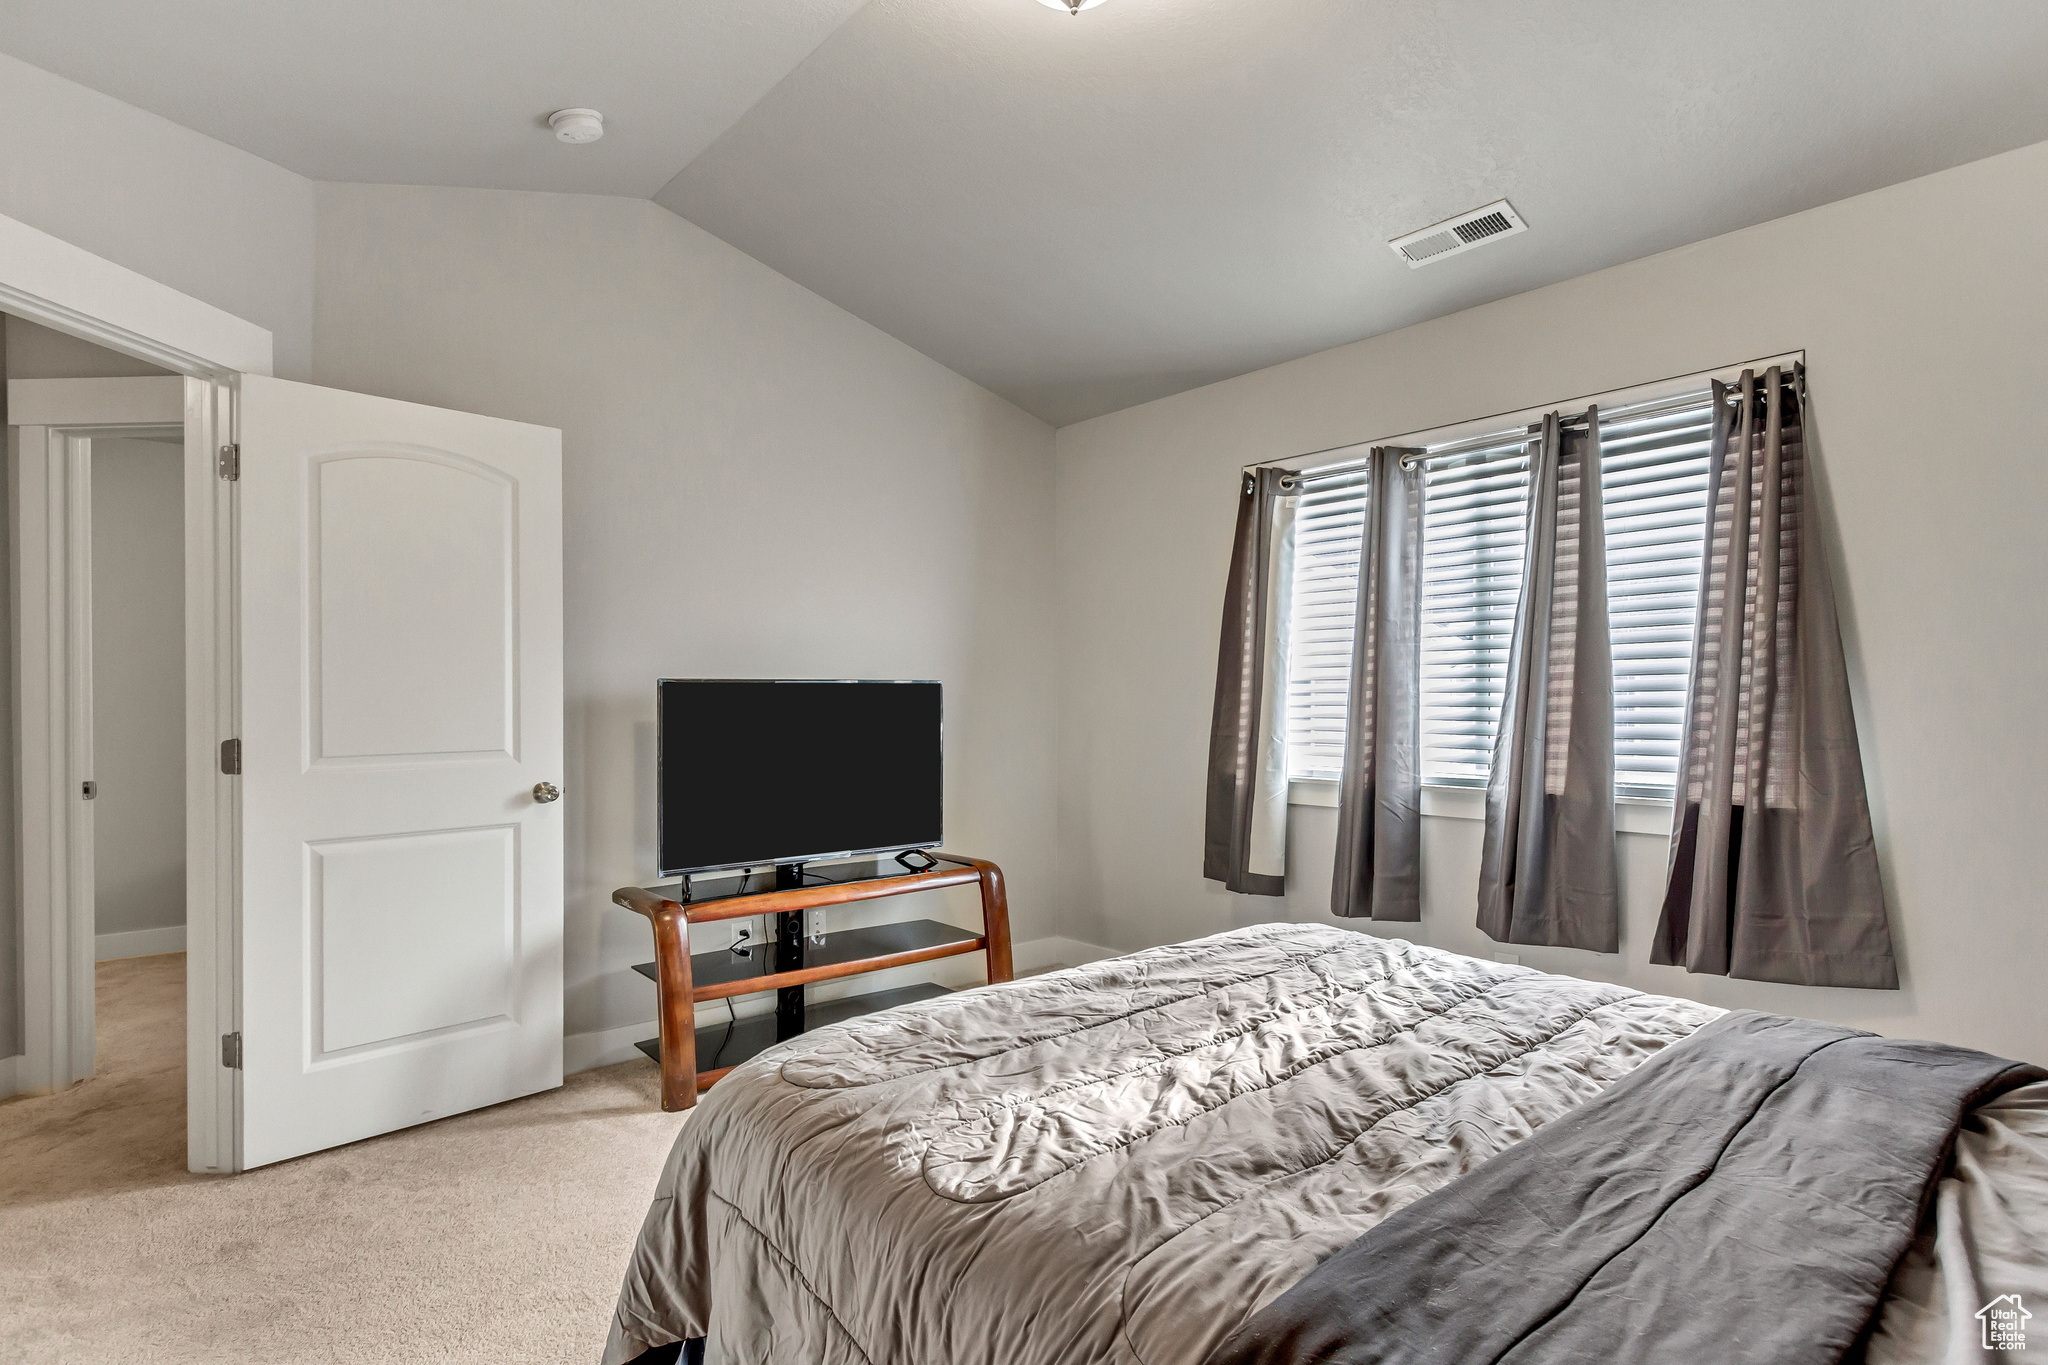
[(1461, 233)]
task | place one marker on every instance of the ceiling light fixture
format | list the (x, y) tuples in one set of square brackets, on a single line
[(577, 125), (1073, 7)]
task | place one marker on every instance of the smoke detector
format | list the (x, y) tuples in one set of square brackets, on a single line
[(1453, 235), (577, 125)]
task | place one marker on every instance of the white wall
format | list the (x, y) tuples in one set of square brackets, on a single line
[(175, 205), (138, 712), (36, 352), (756, 483), (1923, 309)]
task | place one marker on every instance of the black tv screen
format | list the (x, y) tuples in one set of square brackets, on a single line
[(755, 772)]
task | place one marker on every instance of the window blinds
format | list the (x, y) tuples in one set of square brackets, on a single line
[(1329, 522), (1474, 509), (1654, 480)]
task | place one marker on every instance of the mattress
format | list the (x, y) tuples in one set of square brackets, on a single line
[(1124, 1162)]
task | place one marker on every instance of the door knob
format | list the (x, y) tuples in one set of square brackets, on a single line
[(545, 792)]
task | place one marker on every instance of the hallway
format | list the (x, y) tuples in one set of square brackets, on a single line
[(125, 1128), (111, 1251)]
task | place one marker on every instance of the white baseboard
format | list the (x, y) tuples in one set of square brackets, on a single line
[(139, 943), (1040, 953), (10, 1076), (605, 1047)]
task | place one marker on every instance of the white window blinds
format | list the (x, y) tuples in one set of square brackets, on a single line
[(1475, 507), (1328, 523), (1474, 510), (1654, 480)]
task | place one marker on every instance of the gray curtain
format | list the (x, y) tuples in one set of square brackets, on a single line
[(1773, 868), (1547, 872), (1245, 831), (1379, 805)]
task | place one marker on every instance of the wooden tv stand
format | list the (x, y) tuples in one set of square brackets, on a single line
[(792, 960)]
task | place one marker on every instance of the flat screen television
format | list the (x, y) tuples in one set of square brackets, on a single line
[(757, 771)]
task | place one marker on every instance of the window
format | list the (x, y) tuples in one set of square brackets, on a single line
[(1328, 523), (1654, 479), (1474, 509)]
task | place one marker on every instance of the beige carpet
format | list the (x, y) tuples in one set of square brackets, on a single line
[(497, 1236)]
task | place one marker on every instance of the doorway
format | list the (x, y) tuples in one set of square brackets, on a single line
[(125, 1129), (373, 727), (200, 353), (94, 630)]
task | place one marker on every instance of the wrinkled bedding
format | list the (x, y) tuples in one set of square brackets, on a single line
[(1985, 1237), (1742, 1196), (1118, 1163), (1124, 1162)]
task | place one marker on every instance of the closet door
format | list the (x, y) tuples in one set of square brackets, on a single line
[(400, 585)]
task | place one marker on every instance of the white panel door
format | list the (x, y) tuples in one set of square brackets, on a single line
[(400, 579)]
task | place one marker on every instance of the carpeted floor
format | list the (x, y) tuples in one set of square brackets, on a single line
[(499, 1236)]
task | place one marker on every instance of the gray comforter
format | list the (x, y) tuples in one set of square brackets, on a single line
[(1118, 1163), (1744, 1196), (1124, 1162)]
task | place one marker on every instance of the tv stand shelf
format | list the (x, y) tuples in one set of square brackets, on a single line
[(723, 972), (692, 1059), (721, 1047)]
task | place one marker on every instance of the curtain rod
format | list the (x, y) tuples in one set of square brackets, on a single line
[(1505, 435), (1655, 407), (1526, 432)]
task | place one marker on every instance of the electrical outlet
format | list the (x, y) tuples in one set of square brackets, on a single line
[(742, 937), (815, 923)]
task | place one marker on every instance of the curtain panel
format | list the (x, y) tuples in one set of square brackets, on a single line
[(1378, 871), (1773, 871), (1547, 869), (1245, 827)]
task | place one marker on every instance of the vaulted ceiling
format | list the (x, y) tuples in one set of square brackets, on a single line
[(436, 92), (1085, 213)]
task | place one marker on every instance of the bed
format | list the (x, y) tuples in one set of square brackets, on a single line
[(1175, 1157)]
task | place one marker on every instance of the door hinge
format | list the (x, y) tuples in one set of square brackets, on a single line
[(89, 789), (231, 757), (231, 1051), (231, 462)]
